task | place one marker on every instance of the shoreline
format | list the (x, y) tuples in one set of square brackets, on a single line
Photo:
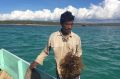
[(80, 25), (50, 23), (29, 24)]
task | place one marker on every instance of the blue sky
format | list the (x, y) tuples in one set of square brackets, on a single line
[(52, 9), (10, 5)]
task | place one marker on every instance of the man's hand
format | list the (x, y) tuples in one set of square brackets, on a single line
[(33, 65)]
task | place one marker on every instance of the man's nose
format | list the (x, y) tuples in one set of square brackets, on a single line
[(69, 26)]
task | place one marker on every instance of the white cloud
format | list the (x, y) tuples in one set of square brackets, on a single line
[(108, 9)]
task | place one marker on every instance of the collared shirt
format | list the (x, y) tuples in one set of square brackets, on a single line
[(61, 46)]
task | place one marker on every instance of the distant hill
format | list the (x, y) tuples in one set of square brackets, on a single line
[(28, 22), (54, 23)]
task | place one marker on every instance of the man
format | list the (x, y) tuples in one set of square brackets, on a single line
[(62, 42)]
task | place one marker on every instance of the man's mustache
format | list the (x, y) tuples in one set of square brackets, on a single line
[(68, 29)]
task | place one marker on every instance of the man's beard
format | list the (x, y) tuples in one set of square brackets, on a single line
[(66, 31)]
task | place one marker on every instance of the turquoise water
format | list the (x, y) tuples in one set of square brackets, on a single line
[(100, 44)]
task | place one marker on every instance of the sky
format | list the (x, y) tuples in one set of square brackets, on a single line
[(47, 10)]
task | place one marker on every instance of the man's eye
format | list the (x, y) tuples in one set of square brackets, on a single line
[(68, 23)]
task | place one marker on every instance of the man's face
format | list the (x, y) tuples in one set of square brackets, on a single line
[(67, 26)]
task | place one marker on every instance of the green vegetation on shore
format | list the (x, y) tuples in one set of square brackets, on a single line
[(51, 23), (22, 22)]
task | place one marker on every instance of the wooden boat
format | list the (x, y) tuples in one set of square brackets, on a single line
[(15, 66)]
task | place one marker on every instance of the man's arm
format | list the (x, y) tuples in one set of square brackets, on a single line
[(40, 58), (43, 55), (79, 48)]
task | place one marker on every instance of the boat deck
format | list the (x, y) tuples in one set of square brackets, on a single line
[(4, 75)]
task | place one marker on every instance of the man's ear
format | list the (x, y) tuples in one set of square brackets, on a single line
[(62, 25)]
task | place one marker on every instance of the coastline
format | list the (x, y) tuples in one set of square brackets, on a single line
[(29, 24), (50, 23)]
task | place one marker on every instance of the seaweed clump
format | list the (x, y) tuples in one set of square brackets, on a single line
[(71, 66)]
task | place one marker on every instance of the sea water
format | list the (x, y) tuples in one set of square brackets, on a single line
[(100, 45)]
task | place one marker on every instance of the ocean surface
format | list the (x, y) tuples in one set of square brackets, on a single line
[(100, 45)]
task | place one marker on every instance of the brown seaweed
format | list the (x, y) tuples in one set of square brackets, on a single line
[(71, 66)]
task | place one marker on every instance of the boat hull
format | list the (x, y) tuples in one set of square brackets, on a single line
[(16, 66)]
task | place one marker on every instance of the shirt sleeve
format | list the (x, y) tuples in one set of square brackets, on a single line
[(79, 48), (40, 58)]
